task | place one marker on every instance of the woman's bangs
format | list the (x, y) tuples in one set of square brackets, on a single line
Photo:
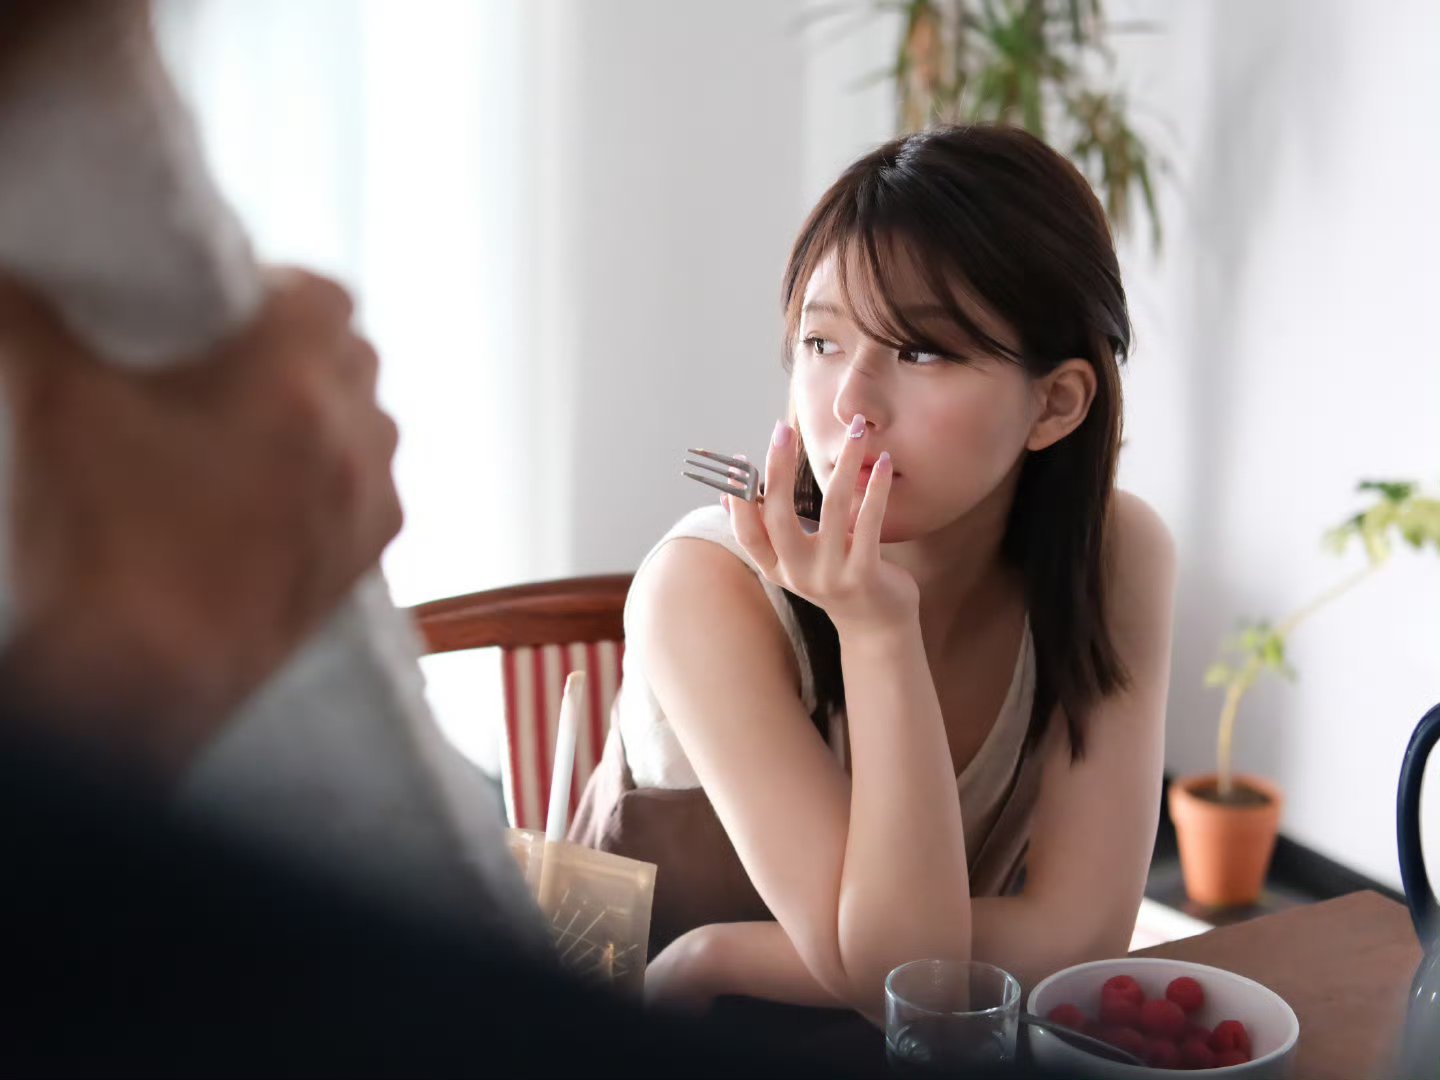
[(904, 294)]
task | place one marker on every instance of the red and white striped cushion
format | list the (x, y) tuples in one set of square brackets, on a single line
[(534, 679)]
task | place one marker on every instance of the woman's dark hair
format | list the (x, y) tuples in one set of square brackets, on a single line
[(994, 214)]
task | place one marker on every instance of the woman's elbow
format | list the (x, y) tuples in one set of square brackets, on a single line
[(819, 951), (850, 987), (866, 971)]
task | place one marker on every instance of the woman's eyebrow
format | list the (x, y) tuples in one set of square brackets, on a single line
[(820, 307)]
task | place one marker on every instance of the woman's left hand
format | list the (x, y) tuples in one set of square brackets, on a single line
[(684, 977)]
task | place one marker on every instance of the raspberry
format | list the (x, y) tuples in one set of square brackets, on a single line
[(1161, 1054), (1126, 987), (1187, 993), (1128, 1039), (1163, 1018), (1194, 1054), (1195, 1031), (1117, 1010), (1230, 1035), (1106, 1033), (1069, 1015), (1231, 1057)]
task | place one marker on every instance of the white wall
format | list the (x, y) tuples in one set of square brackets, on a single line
[(1284, 355), (685, 163), (666, 155)]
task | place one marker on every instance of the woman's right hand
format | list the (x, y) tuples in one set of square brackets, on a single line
[(837, 570)]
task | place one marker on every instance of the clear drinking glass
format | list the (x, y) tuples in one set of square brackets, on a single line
[(943, 1015)]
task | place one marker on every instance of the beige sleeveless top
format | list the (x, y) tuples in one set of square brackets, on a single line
[(645, 800)]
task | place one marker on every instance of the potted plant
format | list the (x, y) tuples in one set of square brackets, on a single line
[(1035, 64), (1226, 824)]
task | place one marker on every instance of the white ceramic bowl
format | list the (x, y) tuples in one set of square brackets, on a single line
[(1274, 1030)]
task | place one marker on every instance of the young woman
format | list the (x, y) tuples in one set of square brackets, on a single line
[(933, 727)]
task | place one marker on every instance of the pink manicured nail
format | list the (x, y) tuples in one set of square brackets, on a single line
[(725, 502), (783, 434), (882, 463), (857, 426)]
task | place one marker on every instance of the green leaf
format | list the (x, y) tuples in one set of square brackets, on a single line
[(1272, 651), (1142, 173), (1029, 93), (1338, 538), (1252, 638), (1377, 547), (1394, 491), (1218, 675)]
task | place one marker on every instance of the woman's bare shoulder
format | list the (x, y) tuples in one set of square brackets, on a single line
[(1140, 575), (1137, 531), (695, 601)]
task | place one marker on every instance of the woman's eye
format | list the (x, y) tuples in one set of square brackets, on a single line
[(919, 357), (820, 346)]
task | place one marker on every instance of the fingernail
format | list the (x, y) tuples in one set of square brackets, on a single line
[(882, 463), (783, 433), (725, 502), (857, 426)]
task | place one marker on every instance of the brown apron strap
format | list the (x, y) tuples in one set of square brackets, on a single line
[(700, 879), (997, 868)]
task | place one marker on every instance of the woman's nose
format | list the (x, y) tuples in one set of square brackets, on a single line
[(862, 390)]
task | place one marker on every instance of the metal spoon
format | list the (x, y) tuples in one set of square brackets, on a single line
[(1088, 1043)]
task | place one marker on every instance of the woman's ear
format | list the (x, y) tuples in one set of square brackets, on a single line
[(1063, 400)]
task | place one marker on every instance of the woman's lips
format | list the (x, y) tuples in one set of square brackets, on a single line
[(862, 479)]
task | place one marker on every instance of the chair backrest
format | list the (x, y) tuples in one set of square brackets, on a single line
[(543, 631)]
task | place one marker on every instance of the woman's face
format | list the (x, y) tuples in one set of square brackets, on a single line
[(955, 429)]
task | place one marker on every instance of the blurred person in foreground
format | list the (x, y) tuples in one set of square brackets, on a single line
[(109, 213)]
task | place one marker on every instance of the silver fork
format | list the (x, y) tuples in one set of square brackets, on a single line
[(722, 473)]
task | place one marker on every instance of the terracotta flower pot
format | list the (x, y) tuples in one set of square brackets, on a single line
[(1224, 849)]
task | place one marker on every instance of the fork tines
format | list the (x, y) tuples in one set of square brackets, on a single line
[(711, 455), (732, 475)]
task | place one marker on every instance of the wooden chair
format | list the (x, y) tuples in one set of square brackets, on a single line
[(543, 631)]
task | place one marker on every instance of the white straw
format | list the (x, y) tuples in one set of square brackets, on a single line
[(557, 820)]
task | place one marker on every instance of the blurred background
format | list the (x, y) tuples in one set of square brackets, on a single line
[(565, 223)]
